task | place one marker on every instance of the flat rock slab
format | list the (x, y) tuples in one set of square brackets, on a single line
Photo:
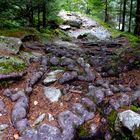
[(30, 56), (64, 27), (129, 119), (65, 44), (52, 93), (52, 77), (10, 44)]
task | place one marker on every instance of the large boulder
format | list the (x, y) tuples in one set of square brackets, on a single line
[(10, 44)]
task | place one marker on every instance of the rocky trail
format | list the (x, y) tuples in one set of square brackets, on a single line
[(80, 89)]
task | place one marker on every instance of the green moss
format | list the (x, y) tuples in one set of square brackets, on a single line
[(136, 133), (63, 35), (112, 116), (83, 131), (11, 64), (135, 107), (56, 68)]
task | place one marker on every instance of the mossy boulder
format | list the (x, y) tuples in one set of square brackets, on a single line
[(10, 44), (9, 64)]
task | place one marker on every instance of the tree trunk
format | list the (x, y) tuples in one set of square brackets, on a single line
[(44, 14), (30, 13), (106, 11), (137, 27), (130, 18), (38, 18), (120, 15), (124, 12)]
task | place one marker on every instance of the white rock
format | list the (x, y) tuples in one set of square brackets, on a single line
[(52, 77), (50, 117), (129, 119), (39, 119), (52, 93), (64, 27), (35, 102), (3, 126)]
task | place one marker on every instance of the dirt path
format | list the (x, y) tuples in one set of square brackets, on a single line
[(74, 103)]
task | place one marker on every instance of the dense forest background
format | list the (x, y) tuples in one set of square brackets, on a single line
[(123, 15)]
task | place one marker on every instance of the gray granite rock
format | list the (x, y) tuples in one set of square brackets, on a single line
[(52, 93), (18, 114), (2, 106), (10, 44), (54, 61), (99, 95), (115, 104), (108, 92), (68, 76), (22, 125), (93, 129), (128, 119), (30, 134), (68, 120), (67, 61), (124, 100), (48, 132), (52, 77), (78, 109), (89, 103)]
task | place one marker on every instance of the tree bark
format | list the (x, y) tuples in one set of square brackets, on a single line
[(124, 12), (44, 13), (38, 26), (120, 15), (106, 11), (137, 21), (130, 16)]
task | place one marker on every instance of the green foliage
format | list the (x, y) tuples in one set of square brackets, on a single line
[(82, 131), (135, 107), (136, 133), (112, 116)]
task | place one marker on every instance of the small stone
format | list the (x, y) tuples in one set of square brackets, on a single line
[(115, 104), (16, 136), (68, 76), (79, 109), (68, 120), (93, 129), (50, 117), (39, 119), (114, 88), (52, 93), (61, 104), (54, 61), (2, 105), (99, 95), (48, 132), (52, 77), (3, 126), (35, 102), (108, 92)]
